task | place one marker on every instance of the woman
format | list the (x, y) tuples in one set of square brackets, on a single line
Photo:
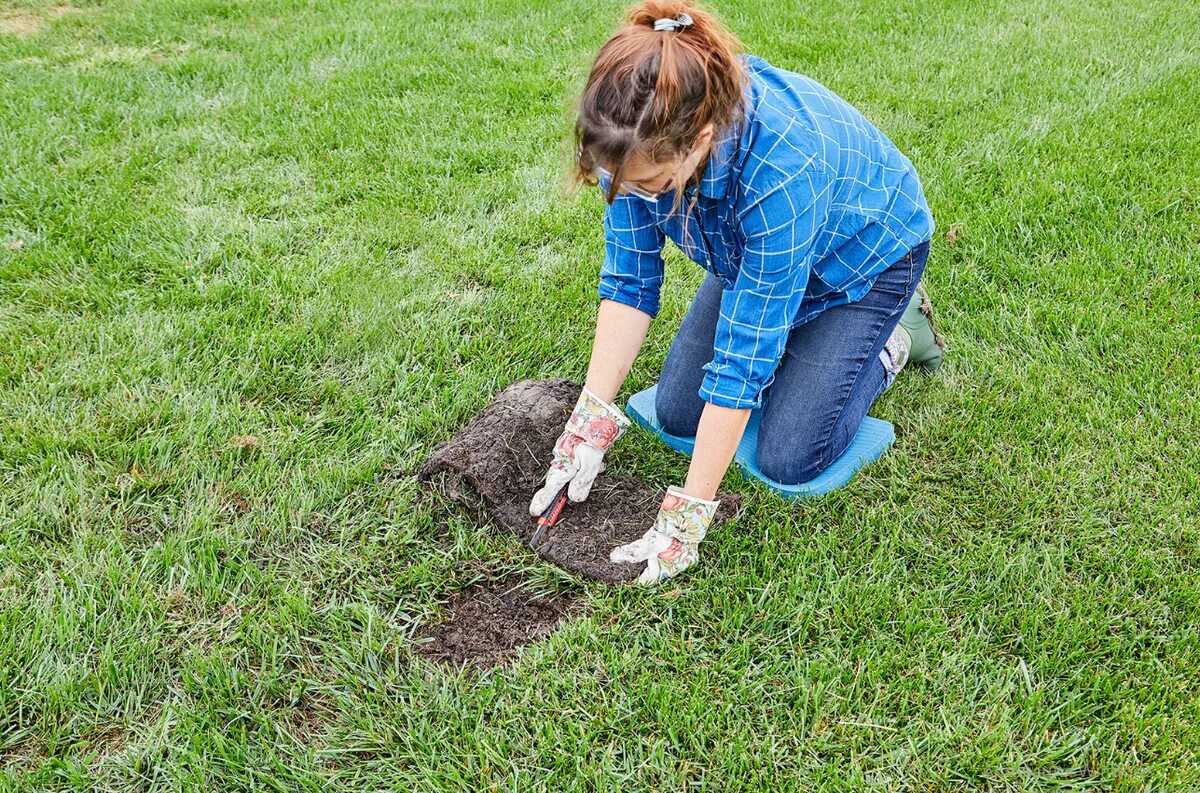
[(814, 230)]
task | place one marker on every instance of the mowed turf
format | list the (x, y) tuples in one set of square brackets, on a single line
[(258, 258)]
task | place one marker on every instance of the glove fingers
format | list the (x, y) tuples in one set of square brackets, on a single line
[(591, 462), (651, 574), (645, 549), (555, 479)]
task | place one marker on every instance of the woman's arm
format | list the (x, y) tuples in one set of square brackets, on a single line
[(620, 331), (717, 440), (755, 321)]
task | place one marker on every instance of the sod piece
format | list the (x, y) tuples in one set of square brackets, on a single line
[(499, 459)]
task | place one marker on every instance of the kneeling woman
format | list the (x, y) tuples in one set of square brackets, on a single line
[(813, 228)]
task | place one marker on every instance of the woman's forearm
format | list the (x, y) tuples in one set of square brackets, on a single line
[(717, 440), (620, 331)]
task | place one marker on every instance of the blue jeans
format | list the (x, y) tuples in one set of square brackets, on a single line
[(829, 374)]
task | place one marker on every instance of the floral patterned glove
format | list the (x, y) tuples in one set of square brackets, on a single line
[(673, 544), (594, 426)]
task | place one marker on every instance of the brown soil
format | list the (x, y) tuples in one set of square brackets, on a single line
[(497, 462), (489, 622)]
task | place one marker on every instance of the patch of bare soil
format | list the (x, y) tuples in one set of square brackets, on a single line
[(497, 462), (488, 622)]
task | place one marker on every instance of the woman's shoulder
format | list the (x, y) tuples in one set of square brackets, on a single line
[(759, 68), (776, 104), (751, 61), (779, 142)]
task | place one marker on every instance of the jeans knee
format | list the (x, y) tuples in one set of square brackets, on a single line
[(790, 462), (675, 417)]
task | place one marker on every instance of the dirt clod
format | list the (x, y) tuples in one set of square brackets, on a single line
[(497, 462), (488, 622)]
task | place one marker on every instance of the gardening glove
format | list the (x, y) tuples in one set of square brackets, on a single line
[(594, 426), (673, 544)]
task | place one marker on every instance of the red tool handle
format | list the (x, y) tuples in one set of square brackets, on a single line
[(550, 516)]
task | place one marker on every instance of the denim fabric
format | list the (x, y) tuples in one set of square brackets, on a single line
[(827, 378)]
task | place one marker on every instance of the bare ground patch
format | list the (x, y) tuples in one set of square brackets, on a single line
[(22, 757), (22, 22), (489, 622), (496, 462)]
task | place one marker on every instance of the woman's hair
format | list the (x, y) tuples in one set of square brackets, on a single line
[(651, 91)]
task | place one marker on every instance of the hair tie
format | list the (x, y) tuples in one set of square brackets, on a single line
[(678, 23)]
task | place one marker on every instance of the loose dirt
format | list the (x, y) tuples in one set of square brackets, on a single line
[(488, 622), (497, 462)]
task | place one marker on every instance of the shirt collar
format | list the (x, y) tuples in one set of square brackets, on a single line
[(715, 182), (716, 173)]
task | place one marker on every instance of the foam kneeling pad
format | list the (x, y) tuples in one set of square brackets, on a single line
[(873, 439)]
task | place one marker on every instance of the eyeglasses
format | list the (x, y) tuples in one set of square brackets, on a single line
[(691, 161), (606, 180)]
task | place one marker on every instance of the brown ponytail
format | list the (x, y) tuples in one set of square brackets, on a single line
[(653, 91)]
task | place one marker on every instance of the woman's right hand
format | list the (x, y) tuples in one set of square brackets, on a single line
[(593, 427)]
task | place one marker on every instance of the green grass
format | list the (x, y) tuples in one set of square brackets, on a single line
[(338, 227)]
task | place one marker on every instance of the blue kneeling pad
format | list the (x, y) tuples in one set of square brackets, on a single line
[(873, 438)]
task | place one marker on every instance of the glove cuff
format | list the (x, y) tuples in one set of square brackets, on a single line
[(685, 517), (596, 421)]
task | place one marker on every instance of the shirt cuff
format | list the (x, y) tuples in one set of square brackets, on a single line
[(630, 296), (730, 391)]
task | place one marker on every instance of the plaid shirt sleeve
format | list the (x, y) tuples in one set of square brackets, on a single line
[(633, 265), (756, 314)]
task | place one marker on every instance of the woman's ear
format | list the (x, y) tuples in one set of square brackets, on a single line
[(705, 137)]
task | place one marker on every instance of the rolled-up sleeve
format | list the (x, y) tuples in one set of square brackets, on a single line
[(757, 312), (633, 265)]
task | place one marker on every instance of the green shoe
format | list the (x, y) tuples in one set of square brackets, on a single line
[(925, 345)]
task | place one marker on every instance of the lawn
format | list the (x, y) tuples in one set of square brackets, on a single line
[(257, 259)]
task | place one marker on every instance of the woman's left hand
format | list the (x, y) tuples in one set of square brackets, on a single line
[(672, 544)]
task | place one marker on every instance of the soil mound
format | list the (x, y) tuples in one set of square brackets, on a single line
[(499, 459)]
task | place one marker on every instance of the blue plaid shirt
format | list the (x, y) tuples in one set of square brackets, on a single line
[(798, 210)]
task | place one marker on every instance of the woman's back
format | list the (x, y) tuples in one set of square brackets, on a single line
[(876, 206)]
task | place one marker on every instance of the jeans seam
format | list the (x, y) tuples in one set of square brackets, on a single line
[(824, 442)]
